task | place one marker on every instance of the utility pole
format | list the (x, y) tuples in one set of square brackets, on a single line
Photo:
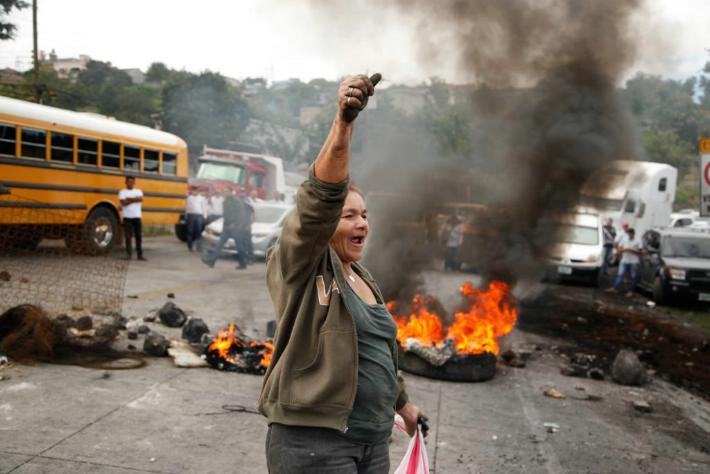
[(38, 91)]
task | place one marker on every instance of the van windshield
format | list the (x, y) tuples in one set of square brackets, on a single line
[(221, 172), (601, 204), (575, 234), (685, 247)]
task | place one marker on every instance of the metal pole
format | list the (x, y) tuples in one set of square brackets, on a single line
[(38, 92)]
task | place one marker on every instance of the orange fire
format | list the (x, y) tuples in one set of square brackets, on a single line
[(488, 316), (266, 353), (226, 342)]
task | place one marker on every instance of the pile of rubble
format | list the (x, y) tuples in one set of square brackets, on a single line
[(97, 337)]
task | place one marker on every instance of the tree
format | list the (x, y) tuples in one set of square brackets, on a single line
[(7, 29), (157, 73), (203, 109)]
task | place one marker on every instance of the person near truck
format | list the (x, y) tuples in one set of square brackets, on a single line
[(215, 204), (453, 235), (196, 212), (630, 262), (234, 218), (331, 391), (609, 233), (245, 241), (131, 199)]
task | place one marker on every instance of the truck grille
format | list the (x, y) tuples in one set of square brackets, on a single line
[(699, 280)]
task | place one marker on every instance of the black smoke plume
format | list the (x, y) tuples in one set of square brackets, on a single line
[(546, 115)]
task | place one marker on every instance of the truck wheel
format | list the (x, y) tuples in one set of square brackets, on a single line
[(659, 291), (181, 232), (97, 235)]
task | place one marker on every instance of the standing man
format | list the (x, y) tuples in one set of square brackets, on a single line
[(234, 217), (196, 211), (609, 237), (244, 243), (215, 203), (131, 204), (453, 235), (630, 262)]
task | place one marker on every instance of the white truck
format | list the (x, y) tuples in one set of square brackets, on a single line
[(637, 193)]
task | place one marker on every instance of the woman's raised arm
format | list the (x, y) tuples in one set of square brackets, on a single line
[(333, 162)]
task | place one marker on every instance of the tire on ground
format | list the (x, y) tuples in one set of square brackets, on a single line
[(98, 235)]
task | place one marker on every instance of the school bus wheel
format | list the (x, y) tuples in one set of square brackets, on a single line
[(97, 235)]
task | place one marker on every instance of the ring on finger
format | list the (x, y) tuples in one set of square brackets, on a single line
[(347, 102), (350, 91)]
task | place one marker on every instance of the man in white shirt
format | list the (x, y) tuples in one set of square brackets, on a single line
[(215, 206), (131, 204), (630, 249), (196, 212)]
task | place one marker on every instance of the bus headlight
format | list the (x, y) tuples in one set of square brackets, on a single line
[(676, 273)]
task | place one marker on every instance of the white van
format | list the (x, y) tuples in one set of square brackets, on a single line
[(637, 193), (577, 249)]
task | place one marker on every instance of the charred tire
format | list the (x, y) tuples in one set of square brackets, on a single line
[(660, 295), (97, 236)]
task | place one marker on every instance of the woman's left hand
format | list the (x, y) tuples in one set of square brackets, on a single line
[(411, 413)]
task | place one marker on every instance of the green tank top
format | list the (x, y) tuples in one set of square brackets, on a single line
[(372, 417)]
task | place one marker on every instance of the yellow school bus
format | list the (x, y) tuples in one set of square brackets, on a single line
[(61, 171)]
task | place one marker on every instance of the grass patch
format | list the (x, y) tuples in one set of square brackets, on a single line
[(701, 320), (158, 230)]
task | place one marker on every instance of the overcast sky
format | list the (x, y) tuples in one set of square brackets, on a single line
[(280, 39)]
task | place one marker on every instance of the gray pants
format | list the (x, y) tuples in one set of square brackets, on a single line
[(297, 449)]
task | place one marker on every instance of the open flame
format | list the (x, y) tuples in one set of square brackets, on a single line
[(487, 316), (232, 351)]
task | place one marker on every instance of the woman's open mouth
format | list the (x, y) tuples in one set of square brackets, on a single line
[(358, 241)]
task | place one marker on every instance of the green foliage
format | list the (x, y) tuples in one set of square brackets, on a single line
[(203, 109), (448, 123), (7, 29), (157, 73), (665, 146), (687, 195)]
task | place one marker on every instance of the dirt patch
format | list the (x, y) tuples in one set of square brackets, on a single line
[(599, 324)]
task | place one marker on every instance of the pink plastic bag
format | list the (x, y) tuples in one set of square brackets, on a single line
[(415, 460)]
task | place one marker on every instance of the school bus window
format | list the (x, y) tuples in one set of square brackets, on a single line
[(169, 163), (88, 152), (34, 143), (150, 161), (131, 158), (62, 147), (111, 154), (7, 139)]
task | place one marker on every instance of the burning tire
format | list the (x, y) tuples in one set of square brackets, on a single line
[(460, 368)]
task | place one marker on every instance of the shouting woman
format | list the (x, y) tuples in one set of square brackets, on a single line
[(332, 389)]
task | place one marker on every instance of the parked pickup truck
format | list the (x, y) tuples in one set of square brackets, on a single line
[(676, 263)]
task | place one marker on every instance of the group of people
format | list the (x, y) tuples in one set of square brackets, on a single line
[(237, 212), (629, 248)]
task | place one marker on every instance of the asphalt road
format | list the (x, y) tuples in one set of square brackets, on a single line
[(164, 419)]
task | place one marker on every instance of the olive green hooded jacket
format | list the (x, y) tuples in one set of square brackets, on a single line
[(312, 378)]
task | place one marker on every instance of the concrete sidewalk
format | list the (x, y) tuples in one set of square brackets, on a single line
[(164, 419)]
